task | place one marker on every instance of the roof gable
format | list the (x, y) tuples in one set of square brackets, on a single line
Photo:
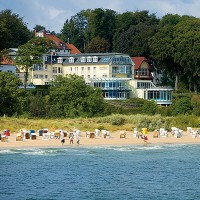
[(138, 61)]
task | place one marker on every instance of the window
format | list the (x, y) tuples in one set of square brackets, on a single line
[(70, 69), (71, 60), (95, 59), (88, 76), (88, 69), (46, 76), (94, 70), (82, 59), (54, 70), (46, 67), (10, 71), (35, 76), (94, 76), (76, 70), (59, 70), (37, 67), (89, 59), (60, 60), (82, 70), (41, 76)]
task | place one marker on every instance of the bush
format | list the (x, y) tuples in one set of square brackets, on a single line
[(149, 107), (195, 102), (182, 106)]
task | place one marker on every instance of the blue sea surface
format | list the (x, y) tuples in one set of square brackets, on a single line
[(107, 172)]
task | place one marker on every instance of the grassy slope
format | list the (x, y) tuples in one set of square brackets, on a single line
[(111, 123)]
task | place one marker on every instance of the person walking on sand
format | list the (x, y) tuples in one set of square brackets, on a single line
[(71, 139), (77, 140), (145, 138), (63, 141)]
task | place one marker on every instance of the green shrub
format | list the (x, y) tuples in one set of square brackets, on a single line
[(149, 107), (195, 102), (182, 106)]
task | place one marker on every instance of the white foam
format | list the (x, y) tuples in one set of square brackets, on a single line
[(5, 151)]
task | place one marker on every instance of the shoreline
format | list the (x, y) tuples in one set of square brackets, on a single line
[(114, 140)]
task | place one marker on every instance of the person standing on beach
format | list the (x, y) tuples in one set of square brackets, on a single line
[(77, 140), (145, 138), (71, 139), (63, 141)]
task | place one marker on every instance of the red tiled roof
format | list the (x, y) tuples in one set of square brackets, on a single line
[(54, 38), (138, 61), (73, 49), (6, 62)]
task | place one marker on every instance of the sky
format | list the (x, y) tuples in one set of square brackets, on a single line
[(52, 14)]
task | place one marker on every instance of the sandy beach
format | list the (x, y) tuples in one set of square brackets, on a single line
[(84, 141)]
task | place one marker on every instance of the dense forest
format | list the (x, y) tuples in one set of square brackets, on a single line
[(171, 42)]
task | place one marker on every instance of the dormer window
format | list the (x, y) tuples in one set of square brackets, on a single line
[(89, 59), (71, 60), (95, 59), (83, 59), (60, 60)]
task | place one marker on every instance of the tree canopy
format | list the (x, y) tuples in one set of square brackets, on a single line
[(9, 91), (13, 30), (31, 53), (70, 97)]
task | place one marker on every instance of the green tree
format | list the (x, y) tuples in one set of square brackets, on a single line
[(182, 106), (187, 49), (13, 30), (132, 36), (102, 24), (31, 53), (162, 48), (9, 93), (71, 97), (98, 45), (88, 24), (195, 102), (73, 30), (38, 28), (149, 107)]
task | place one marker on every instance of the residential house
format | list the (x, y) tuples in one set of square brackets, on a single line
[(144, 85), (7, 65), (108, 71), (42, 74), (142, 68)]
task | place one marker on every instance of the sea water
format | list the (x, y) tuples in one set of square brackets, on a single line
[(107, 172)]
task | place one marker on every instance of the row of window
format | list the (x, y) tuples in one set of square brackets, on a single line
[(158, 95), (40, 76), (10, 71), (116, 94), (89, 59), (145, 85), (121, 60), (121, 69), (111, 84), (37, 67), (142, 72), (83, 69)]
